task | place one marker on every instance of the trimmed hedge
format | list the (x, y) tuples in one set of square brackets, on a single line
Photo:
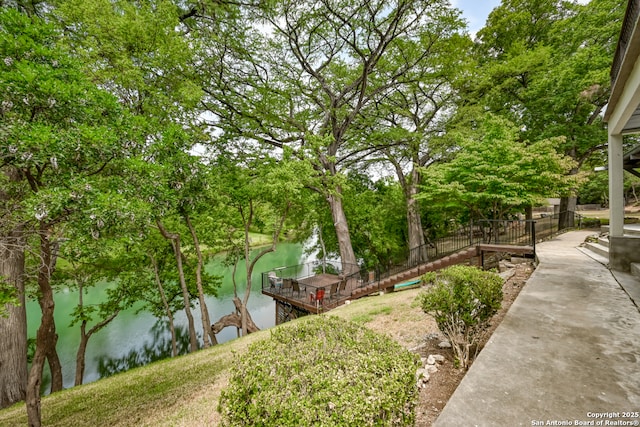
[(322, 371)]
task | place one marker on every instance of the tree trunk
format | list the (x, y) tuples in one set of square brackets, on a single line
[(207, 336), (35, 377), (347, 256), (193, 340), (80, 355), (528, 216), (567, 208), (46, 336), (175, 243), (246, 322), (44, 281), (55, 366), (235, 319), (84, 341), (167, 309), (417, 243), (13, 327)]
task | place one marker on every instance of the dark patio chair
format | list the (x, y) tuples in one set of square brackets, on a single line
[(297, 288), (342, 287), (287, 286), (334, 290)]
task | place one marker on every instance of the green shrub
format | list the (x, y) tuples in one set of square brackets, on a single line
[(591, 223), (322, 371), (462, 300)]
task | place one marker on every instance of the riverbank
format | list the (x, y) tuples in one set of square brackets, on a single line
[(136, 337), (185, 391)]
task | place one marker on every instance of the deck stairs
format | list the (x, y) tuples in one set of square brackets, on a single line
[(389, 282), (515, 237)]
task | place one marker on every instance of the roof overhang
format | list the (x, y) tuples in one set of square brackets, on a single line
[(623, 109), (631, 161)]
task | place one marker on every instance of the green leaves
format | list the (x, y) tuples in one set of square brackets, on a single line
[(137, 49), (322, 371), (545, 66), (462, 300), (492, 172), (58, 128)]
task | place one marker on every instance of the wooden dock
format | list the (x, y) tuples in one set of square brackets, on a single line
[(320, 293)]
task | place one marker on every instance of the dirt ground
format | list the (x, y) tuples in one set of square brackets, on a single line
[(443, 383), (630, 211)]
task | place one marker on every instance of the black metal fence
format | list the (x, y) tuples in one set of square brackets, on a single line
[(550, 225), (502, 232)]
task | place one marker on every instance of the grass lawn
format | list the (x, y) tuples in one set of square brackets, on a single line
[(629, 211), (183, 391)]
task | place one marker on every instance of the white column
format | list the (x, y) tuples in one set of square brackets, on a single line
[(616, 186)]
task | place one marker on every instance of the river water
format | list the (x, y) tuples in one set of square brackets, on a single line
[(133, 333)]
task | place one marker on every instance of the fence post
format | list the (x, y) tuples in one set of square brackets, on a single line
[(533, 237)]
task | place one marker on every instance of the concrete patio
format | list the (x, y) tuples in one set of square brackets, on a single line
[(566, 353)]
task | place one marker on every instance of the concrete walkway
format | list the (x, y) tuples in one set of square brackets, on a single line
[(568, 348)]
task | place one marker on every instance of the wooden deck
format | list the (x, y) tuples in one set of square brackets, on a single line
[(303, 293)]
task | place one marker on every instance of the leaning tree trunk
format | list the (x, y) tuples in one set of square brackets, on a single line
[(46, 337), (208, 337), (44, 281), (193, 340), (175, 243), (55, 366), (167, 309), (80, 355), (235, 319), (347, 256), (13, 327), (35, 374)]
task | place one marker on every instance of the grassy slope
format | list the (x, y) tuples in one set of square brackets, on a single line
[(176, 392)]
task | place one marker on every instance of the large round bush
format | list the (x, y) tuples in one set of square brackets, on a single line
[(322, 371)]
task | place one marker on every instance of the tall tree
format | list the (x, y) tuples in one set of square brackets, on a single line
[(90, 262), (59, 133), (493, 174), (13, 316), (377, 210), (260, 191), (546, 66), (408, 122), (312, 70), (141, 53)]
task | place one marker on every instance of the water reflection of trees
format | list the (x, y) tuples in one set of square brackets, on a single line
[(159, 348)]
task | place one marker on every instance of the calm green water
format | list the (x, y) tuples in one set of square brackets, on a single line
[(131, 332)]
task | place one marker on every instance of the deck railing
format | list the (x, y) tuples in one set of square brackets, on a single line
[(309, 270), (502, 232)]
